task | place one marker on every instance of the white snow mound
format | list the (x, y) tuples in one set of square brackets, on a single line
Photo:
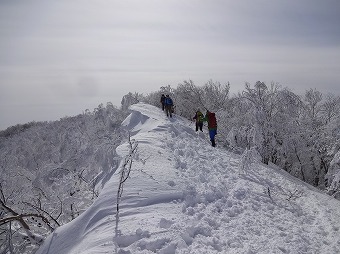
[(184, 196)]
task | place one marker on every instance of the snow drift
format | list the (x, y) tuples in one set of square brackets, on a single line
[(184, 196)]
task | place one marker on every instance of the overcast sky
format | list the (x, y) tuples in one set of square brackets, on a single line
[(58, 58)]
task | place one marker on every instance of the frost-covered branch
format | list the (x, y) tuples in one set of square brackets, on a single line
[(124, 175)]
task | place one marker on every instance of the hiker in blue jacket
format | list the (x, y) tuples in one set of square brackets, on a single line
[(168, 105)]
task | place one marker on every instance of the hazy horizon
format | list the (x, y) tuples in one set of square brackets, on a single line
[(60, 58)]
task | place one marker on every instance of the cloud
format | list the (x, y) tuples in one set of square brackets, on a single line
[(80, 52)]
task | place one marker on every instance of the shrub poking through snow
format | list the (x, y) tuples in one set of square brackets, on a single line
[(124, 175)]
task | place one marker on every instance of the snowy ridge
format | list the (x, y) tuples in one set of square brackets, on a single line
[(184, 196)]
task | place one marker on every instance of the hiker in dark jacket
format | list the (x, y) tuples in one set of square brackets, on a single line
[(168, 105), (199, 120), (163, 101), (212, 126)]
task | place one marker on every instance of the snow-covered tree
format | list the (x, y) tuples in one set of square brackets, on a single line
[(270, 113), (50, 173), (216, 96), (131, 98), (330, 107), (333, 176), (188, 99), (312, 103)]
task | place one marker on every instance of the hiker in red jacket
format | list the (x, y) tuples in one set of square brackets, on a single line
[(212, 126)]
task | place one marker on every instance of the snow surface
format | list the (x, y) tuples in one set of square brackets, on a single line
[(184, 196)]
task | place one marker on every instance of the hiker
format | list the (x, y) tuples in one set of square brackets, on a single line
[(163, 101), (212, 126), (168, 105), (199, 120)]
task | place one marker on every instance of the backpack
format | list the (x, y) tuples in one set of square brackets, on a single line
[(200, 117), (212, 123), (168, 101)]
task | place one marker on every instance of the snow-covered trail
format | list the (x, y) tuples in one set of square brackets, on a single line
[(184, 196)]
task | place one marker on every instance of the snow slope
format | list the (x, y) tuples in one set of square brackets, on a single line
[(184, 196)]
